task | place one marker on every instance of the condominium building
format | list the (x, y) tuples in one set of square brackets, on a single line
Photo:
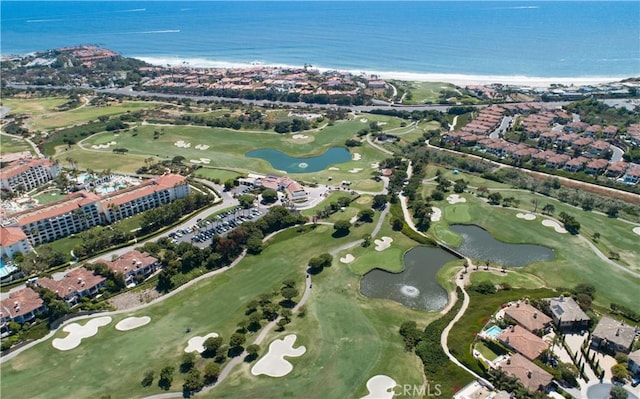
[(12, 240), (75, 285), (132, 265), (27, 174), (21, 306)]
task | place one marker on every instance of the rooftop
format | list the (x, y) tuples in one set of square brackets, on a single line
[(530, 375), (526, 343), (11, 235), (566, 309), (528, 316), (20, 302), (130, 261), (615, 331)]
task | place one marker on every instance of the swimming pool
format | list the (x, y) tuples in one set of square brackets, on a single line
[(7, 269), (493, 332)]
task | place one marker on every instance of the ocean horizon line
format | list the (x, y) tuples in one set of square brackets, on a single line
[(457, 79)]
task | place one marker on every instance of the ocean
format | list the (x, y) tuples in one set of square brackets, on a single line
[(503, 38)]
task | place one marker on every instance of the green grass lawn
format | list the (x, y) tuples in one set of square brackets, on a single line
[(33, 106), (515, 278), (339, 320), (221, 174), (89, 113), (99, 161), (424, 92), (48, 196), (486, 352), (13, 144), (575, 262)]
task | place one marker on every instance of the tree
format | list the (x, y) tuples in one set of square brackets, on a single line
[(397, 223), (342, 227), (188, 360), (596, 236), (166, 377), (253, 349), (618, 392), (619, 372), (495, 198), (548, 209), (460, 186), (237, 340), (246, 200), (289, 293), (228, 184), (270, 196), (437, 195), (366, 215), (178, 159), (211, 345), (147, 379), (211, 372), (535, 203), (193, 382), (379, 201)]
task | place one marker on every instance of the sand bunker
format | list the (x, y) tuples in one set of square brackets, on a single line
[(636, 230), (380, 387), (196, 161), (205, 160), (201, 147), (182, 144), (526, 216), (355, 170), (455, 198), (556, 226), (348, 258), (436, 214), (299, 137), (383, 243), (334, 168), (357, 156), (196, 344), (131, 323), (77, 333), (273, 363), (364, 120), (375, 165), (101, 146)]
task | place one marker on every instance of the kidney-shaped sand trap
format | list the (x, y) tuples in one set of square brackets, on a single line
[(525, 216), (348, 258), (273, 363), (380, 387), (455, 198), (78, 332), (556, 226), (383, 243), (196, 344), (131, 323), (436, 214)]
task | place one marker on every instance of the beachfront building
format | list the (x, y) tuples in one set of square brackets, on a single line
[(13, 240), (530, 375), (133, 265), (567, 314), (528, 317), (75, 285), (21, 306), (149, 194), (82, 210), (613, 336), (27, 174)]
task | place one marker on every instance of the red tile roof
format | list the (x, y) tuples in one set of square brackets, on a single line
[(530, 375), (20, 303), (11, 235), (526, 343), (144, 189), (17, 167), (75, 281), (528, 316), (130, 261), (73, 201)]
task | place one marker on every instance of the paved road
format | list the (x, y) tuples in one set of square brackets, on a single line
[(504, 125), (617, 154)]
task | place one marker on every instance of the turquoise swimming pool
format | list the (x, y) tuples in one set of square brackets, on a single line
[(493, 332), (6, 269)]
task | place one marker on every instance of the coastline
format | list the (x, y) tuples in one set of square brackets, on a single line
[(453, 78)]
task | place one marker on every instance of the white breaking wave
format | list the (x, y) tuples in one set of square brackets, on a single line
[(39, 21), (151, 32), (133, 10)]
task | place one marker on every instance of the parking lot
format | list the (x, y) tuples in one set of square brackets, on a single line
[(202, 233)]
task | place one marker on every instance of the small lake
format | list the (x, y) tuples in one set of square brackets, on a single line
[(281, 161), (416, 287), (479, 244)]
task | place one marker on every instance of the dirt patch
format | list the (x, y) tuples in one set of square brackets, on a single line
[(129, 300)]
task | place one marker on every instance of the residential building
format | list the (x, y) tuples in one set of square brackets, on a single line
[(522, 341), (616, 169), (149, 194), (557, 161), (575, 164), (78, 212), (530, 375), (528, 317), (21, 306), (567, 314), (597, 166), (133, 264), (27, 174), (75, 285), (600, 149), (613, 335), (12, 240), (634, 362), (633, 175)]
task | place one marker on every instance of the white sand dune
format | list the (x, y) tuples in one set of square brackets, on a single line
[(355, 170), (383, 243), (348, 258), (556, 226), (436, 214), (299, 137), (636, 230), (77, 333), (455, 198), (525, 216), (131, 323), (380, 387), (196, 344), (357, 156), (273, 363)]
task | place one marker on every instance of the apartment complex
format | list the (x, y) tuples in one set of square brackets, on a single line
[(82, 210), (133, 265), (75, 285), (27, 174), (12, 240), (21, 306)]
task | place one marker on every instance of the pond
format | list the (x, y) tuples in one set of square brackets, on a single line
[(281, 161), (416, 287), (479, 244), (601, 391)]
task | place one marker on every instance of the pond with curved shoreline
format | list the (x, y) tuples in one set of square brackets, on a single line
[(479, 244), (416, 286), (281, 161)]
